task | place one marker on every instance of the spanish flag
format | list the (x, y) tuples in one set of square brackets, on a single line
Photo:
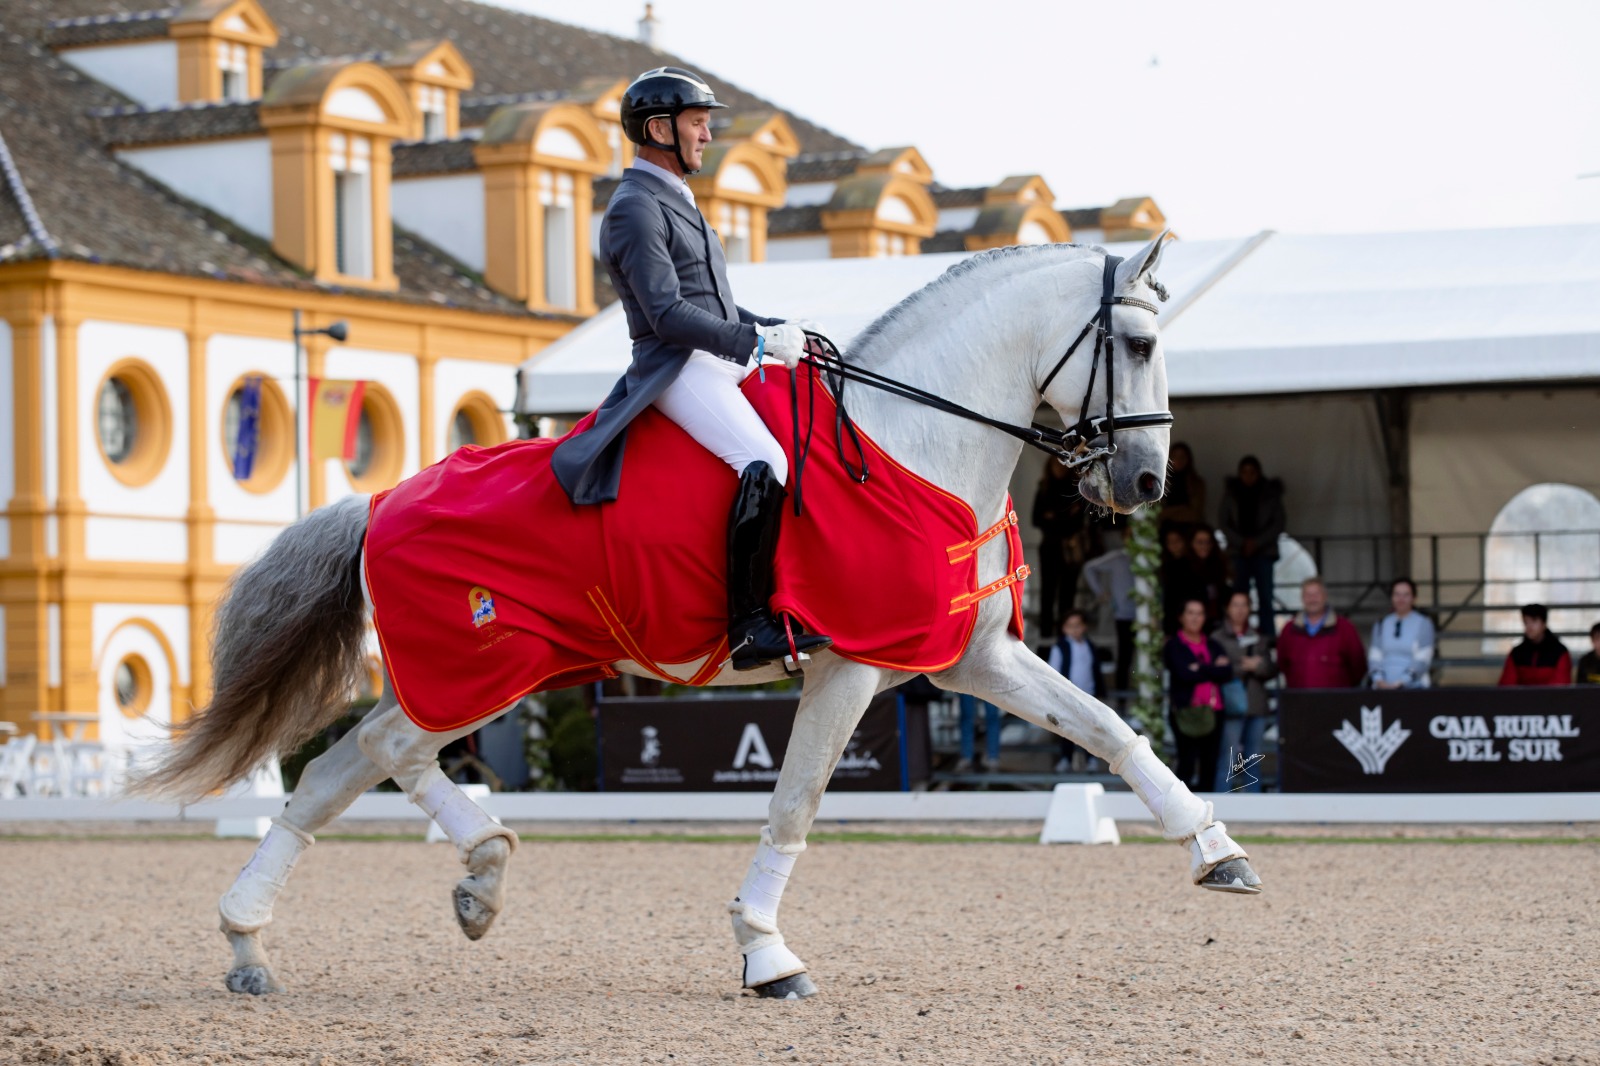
[(335, 415)]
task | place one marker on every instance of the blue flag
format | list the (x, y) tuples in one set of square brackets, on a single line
[(244, 448)]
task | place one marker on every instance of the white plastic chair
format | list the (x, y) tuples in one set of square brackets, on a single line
[(16, 766)]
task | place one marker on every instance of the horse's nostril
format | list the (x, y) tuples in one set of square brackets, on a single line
[(1149, 485)]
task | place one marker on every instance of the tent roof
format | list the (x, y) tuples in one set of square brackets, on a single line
[(1268, 314), (1394, 310)]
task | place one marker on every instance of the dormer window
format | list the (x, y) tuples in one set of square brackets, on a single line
[(234, 62), (351, 156), (560, 243), (431, 102)]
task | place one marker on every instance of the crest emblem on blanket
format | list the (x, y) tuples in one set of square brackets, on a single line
[(482, 605)]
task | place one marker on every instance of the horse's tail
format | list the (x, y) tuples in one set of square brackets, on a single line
[(286, 654)]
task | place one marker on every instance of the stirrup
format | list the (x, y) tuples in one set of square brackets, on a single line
[(760, 642)]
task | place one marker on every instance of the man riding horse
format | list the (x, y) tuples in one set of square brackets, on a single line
[(692, 347)]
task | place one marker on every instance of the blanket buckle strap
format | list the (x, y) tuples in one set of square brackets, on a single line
[(970, 599), (958, 552)]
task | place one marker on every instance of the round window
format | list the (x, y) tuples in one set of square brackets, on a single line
[(119, 420), (477, 421), (133, 422), (131, 686), (380, 442), (462, 431), (269, 449)]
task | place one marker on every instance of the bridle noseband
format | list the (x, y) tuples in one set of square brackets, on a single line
[(1074, 446)]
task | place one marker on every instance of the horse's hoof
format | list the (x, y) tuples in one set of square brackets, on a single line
[(471, 914), (252, 980), (1234, 875), (800, 986)]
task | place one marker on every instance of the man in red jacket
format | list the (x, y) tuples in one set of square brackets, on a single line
[(1318, 648), (1541, 659)]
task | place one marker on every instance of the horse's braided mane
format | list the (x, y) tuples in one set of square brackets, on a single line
[(1013, 258)]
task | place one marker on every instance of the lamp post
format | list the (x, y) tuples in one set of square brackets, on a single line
[(339, 331)]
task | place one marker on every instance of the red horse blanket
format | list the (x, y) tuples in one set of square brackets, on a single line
[(488, 584)]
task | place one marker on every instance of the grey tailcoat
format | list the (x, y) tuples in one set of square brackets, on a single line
[(670, 273)]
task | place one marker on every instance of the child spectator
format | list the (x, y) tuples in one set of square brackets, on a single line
[(1078, 661), (1402, 644), (1318, 648), (1540, 659)]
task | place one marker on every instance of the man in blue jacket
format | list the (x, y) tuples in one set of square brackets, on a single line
[(692, 346)]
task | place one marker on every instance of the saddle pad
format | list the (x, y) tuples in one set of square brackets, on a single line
[(488, 584)]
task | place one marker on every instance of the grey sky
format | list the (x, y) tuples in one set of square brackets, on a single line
[(1236, 117)]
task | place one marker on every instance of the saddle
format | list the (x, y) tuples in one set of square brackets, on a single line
[(488, 584)]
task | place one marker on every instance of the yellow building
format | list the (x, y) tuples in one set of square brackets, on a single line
[(177, 185)]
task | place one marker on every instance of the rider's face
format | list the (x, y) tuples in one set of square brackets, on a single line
[(694, 133)]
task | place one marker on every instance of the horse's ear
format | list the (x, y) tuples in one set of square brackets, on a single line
[(1143, 264)]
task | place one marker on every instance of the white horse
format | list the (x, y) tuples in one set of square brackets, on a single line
[(288, 644)]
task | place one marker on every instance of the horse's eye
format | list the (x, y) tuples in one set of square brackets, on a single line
[(1141, 346)]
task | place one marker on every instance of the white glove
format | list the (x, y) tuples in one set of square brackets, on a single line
[(785, 343)]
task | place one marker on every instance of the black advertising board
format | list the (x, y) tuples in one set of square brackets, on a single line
[(733, 745), (1440, 740)]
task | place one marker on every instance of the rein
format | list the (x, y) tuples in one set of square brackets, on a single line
[(1073, 446)]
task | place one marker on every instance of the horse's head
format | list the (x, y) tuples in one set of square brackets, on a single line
[(1128, 468)]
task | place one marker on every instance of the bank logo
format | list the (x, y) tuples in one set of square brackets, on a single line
[(649, 746), (1372, 745)]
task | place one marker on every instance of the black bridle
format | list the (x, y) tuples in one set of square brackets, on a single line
[(1075, 446)]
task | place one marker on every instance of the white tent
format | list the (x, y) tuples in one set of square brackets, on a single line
[(574, 374), (1270, 314)]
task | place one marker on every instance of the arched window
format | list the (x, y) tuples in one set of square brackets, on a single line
[(274, 437), (380, 442), (1543, 547)]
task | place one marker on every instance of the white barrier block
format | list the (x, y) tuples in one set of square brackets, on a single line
[(265, 780), (1074, 817), (478, 794)]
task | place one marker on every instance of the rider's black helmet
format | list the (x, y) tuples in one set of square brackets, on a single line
[(663, 91)]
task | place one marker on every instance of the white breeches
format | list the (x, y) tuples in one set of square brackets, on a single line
[(706, 403)]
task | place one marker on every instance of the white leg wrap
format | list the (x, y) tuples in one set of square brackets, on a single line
[(768, 959), (1209, 847), (1180, 812), (762, 890), (247, 906), (464, 822)]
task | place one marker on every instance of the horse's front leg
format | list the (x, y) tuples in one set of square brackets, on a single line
[(1005, 672), (836, 695)]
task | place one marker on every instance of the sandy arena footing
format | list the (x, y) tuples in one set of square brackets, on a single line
[(987, 951)]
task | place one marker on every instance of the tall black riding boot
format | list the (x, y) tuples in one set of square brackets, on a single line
[(754, 636)]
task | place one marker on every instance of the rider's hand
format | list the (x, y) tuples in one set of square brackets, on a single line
[(811, 325), (785, 342)]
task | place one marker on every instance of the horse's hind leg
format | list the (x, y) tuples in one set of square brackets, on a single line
[(836, 694), (410, 754), (328, 785)]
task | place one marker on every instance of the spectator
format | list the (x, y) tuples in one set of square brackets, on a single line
[(1540, 659), (1110, 578), (1589, 664), (1252, 519), (1318, 648), (969, 728), (1198, 667), (1177, 582), (1062, 518), (1078, 661), (1185, 501), (1402, 644), (1250, 652), (1208, 573)]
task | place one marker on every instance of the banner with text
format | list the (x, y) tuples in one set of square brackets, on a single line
[(1440, 740), (732, 745)]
